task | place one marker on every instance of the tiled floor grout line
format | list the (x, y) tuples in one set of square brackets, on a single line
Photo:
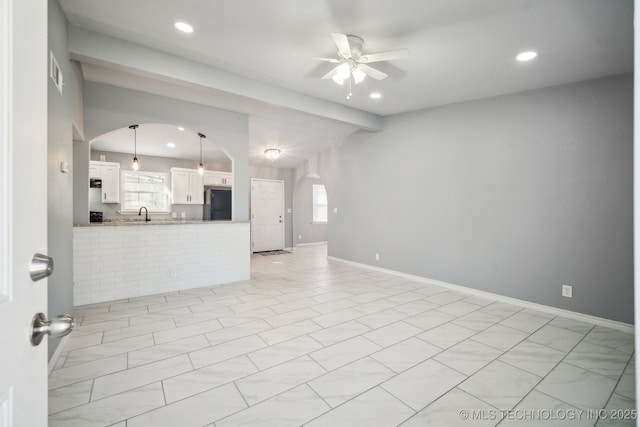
[(617, 382), (478, 370), (241, 395), (356, 286), (440, 397), (534, 388)]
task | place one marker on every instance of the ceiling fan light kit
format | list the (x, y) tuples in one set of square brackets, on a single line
[(352, 64)]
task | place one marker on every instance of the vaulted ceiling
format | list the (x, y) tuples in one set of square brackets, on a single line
[(261, 55)]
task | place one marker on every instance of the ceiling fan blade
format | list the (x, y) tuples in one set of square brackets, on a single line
[(372, 72), (384, 56), (342, 43), (330, 74), (332, 60)]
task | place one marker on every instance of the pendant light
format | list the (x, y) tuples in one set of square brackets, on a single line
[(135, 164), (201, 166)]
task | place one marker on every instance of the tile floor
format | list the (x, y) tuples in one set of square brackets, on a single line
[(321, 343)]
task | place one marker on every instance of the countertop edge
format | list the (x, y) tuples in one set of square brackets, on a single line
[(152, 223)]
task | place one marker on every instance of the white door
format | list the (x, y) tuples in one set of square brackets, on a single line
[(23, 208), (267, 215)]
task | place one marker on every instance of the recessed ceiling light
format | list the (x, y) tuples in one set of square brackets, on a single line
[(180, 128), (171, 145), (375, 95), (526, 56), (184, 27)]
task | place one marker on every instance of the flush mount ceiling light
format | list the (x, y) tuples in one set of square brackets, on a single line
[(180, 128), (526, 56), (375, 95), (272, 153), (184, 27), (201, 166), (171, 144), (135, 165)]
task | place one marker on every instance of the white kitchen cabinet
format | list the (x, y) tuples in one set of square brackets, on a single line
[(94, 170), (109, 174), (218, 179), (187, 187)]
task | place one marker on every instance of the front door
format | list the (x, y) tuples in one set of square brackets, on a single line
[(23, 208), (267, 215)]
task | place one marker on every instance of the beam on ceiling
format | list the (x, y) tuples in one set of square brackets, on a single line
[(98, 49)]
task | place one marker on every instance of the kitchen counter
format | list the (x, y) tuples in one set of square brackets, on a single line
[(130, 222), (124, 259)]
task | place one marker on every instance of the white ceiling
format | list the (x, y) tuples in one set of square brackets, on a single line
[(460, 49), (152, 139)]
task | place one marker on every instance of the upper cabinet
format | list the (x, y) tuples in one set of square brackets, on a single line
[(187, 187), (109, 174), (218, 179)]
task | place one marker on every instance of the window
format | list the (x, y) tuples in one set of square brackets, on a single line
[(149, 189), (319, 204)]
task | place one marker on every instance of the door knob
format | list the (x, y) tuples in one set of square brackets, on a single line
[(57, 327), (41, 266)]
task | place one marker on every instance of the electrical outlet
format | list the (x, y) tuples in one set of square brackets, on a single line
[(377, 257), (299, 236), (173, 274), (567, 291), (183, 215), (335, 210)]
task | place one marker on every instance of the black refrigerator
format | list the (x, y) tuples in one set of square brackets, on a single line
[(217, 204)]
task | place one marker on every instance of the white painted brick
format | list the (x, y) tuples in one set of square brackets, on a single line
[(121, 262)]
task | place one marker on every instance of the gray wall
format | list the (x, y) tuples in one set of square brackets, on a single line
[(514, 195), (64, 120), (323, 168), (151, 164), (109, 107), (81, 153), (286, 175), (304, 230)]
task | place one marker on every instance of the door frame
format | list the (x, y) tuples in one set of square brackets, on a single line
[(283, 209)]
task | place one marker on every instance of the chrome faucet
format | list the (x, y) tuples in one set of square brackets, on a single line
[(146, 214)]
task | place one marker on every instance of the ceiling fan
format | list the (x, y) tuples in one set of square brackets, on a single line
[(352, 63)]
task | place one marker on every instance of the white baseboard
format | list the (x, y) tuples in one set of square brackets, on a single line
[(58, 352), (312, 243), (620, 326)]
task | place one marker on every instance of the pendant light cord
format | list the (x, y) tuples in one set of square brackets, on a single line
[(135, 140), (201, 136)]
